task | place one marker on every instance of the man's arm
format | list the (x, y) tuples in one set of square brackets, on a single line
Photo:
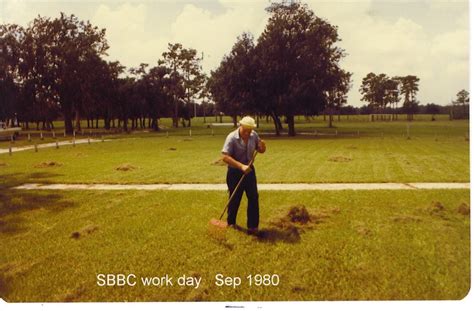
[(234, 163), (261, 146)]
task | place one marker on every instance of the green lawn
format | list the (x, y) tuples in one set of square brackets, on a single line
[(372, 245), (180, 159), (363, 245)]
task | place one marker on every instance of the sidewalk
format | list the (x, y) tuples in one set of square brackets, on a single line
[(264, 187), (48, 145)]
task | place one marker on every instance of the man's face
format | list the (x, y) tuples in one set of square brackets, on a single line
[(245, 132)]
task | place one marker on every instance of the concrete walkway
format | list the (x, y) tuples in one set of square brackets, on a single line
[(48, 145), (271, 187)]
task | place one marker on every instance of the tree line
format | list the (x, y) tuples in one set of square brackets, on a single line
[(55, 68)]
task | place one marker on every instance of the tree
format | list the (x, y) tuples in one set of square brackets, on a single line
[(462, 98), (65, 49), (232, 83), (297, 61), (185, 76), (409, 88)]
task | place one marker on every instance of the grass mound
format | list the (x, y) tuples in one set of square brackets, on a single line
[(84, 231), (289, 227), (172, 149), (340, 159), (48, 164), (436, 208), (405, 219), (464, 209), (125, 167)]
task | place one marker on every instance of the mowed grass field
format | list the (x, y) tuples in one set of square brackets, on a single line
[(436, 152), (373, 245), (359, 245)]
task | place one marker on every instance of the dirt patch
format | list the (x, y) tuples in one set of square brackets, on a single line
[(464, 209), (172, 149), (125, 167), (405, 219), (48, 164), (339, 159), (84, 231), (219, 162)]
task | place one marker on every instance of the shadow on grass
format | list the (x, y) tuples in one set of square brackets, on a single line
[(273, 235), (15, 203)]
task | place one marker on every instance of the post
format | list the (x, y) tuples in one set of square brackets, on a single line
[(41, 135), (29, 137), (10, 149), (54, 134), (74, 141), (36, 147), (408, 131), (12, 140), (89, 140), (102, 138), (74, 133), (167, 134), (57, 145), (190, 133)]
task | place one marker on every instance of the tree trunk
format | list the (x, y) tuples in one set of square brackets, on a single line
[(106, 122), (277, 123), (125, 124), (68, 120), (234, 119), (78, 120), (290, 119)]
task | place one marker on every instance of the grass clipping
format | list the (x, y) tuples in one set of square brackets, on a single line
[(48, 164), (289, 227), (125, 167)]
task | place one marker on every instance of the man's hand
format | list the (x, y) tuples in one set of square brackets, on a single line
[(261, 147), (246, 169)]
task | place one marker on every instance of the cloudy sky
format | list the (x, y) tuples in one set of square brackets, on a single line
[(427, 38)]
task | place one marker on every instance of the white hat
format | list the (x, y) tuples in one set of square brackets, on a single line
[(248, 122)]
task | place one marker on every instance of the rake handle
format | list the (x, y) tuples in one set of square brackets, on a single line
[(238, 185)]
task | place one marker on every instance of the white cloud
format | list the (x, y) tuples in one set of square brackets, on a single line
[(215, 34), (401, 47)]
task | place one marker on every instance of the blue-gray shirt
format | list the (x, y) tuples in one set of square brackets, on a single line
[(235, 147)]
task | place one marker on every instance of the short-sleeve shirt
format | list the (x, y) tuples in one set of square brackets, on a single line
[(235, 147)]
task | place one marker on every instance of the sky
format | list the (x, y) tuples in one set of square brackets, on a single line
[(426, 38)]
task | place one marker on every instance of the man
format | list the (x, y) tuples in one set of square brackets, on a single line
[(237, 152)]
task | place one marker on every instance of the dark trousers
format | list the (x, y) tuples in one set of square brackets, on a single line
[(249, 185)]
